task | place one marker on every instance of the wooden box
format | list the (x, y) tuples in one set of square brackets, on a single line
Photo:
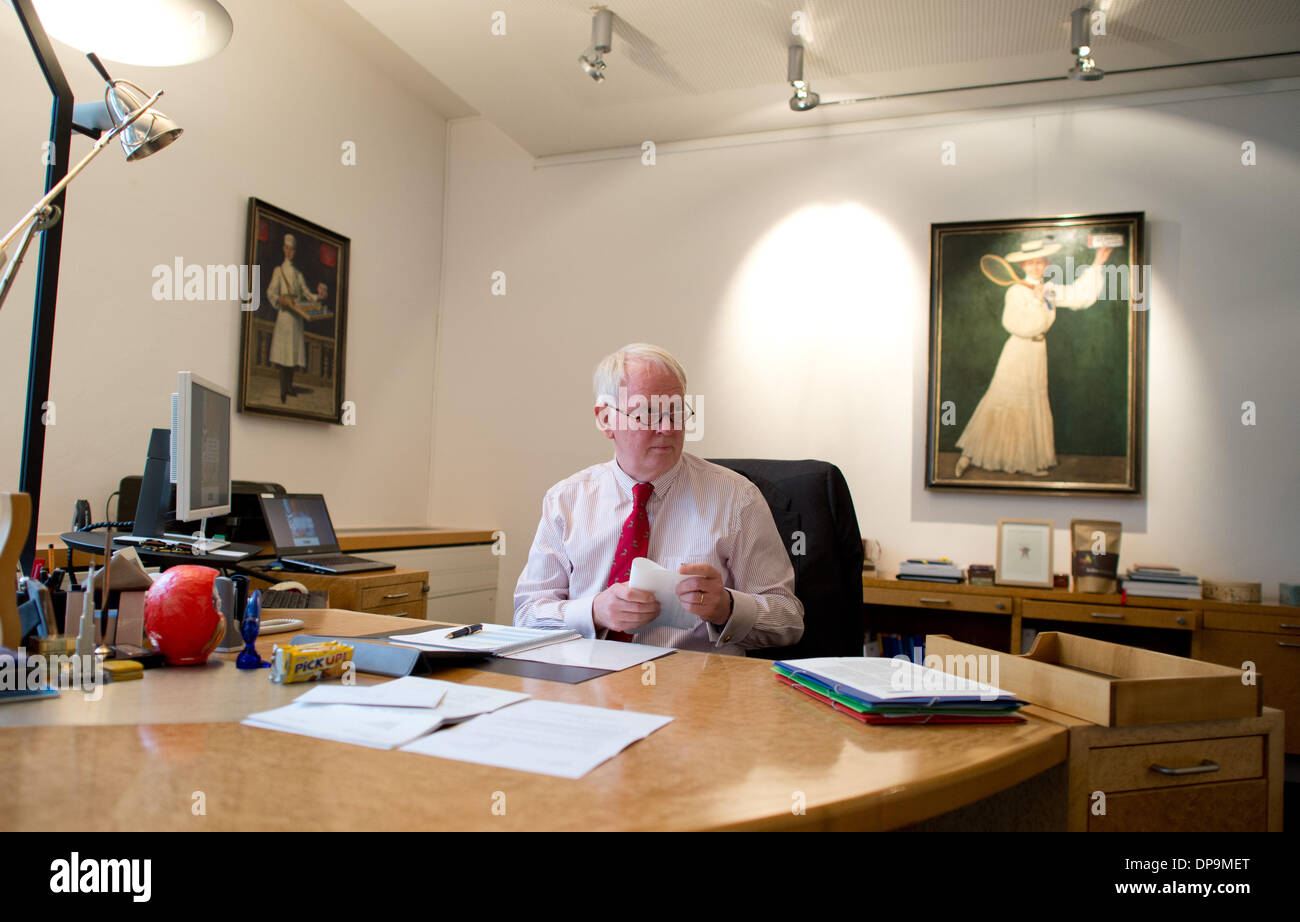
[(1105, 683)]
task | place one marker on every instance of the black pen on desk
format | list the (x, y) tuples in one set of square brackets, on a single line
[(465, 631)]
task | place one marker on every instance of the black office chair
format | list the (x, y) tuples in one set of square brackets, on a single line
[(812, 497)]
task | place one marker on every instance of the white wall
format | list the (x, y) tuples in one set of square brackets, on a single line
[(791, 278), (265, 118)]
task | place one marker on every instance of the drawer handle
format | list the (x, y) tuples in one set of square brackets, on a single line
[(1283, 643), (1102, 614), (926, 601), (1204, 768), (397, 595), (1290, 627)]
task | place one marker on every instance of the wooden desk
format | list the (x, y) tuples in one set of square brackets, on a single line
[(741, 749)]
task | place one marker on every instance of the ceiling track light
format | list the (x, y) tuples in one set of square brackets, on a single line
[(803, 98), (1085, 68), (602, 30)]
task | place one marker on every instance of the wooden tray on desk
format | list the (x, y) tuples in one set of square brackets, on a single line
[(1105, 683)]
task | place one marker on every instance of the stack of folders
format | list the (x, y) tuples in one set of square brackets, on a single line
[(940, 570), (1162, 582), (885, 691)]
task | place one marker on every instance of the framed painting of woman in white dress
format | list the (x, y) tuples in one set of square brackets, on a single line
[(292, 345), (1038, 355)]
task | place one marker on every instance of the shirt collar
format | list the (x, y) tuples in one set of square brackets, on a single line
[(662, 484)]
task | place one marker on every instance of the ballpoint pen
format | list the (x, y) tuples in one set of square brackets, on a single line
[(465, 631)]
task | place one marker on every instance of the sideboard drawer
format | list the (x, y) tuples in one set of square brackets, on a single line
[(1268, 624), (1172, 618), (411, 609), (1234, 806), (377, 597), (1173, 764), (938, 600)]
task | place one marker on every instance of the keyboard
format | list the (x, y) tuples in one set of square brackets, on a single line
[(287, 598), (325, 561), (332, 560)]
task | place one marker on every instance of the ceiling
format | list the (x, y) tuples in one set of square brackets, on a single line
[(683, 69)]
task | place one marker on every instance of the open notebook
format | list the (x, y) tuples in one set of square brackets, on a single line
[(497, 639)]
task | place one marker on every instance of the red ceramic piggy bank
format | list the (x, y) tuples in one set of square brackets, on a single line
[(180, 615)]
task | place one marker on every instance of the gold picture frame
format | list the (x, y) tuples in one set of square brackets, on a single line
[(1038, 342), (292, 354)]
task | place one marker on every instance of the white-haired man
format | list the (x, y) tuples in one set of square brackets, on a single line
[(652, 500), (288, 341)]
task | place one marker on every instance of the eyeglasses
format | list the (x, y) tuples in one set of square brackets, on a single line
[(643, 419)]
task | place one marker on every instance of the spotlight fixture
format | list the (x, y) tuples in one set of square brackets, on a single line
[(602, 28), (1085, 68), (803, 98)]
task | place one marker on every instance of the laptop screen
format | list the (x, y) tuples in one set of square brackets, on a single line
[(299, 524)]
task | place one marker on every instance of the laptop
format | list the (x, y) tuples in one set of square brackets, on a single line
[(304, 539)]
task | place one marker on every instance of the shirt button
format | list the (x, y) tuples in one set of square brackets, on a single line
[(726, 638)]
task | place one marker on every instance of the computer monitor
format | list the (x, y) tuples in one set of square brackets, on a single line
[(200, 449)]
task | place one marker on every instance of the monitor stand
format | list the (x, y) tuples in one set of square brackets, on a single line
[(155, 488), (199, 540), (151, 511)]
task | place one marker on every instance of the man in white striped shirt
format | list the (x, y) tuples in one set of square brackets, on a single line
[(706, 522)]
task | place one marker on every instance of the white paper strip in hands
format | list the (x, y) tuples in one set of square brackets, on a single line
[(648, 575)]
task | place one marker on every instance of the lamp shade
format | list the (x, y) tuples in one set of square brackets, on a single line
[(154, 33), (149, 133)]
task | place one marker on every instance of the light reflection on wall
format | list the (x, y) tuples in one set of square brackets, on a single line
[(815, 331)]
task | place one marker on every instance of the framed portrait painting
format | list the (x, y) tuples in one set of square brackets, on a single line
[(1038, 355), (293, 345)]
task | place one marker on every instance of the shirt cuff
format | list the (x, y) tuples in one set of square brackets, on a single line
[(577, 616), (744, 612)]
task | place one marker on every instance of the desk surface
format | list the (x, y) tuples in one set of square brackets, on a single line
[(740, 748)]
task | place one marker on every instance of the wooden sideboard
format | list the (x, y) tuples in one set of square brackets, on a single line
[(1227, 633)]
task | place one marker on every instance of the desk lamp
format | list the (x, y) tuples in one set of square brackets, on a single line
[(148, 32)]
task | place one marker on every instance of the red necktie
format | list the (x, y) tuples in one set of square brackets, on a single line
[(633, 542)]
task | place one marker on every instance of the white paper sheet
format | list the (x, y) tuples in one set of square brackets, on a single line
[(377, 727), (406, 692), (464, 701), (594, 654), (650, 576), (384, 727), (546, 737)]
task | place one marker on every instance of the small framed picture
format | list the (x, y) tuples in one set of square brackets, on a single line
[(1025, 552)]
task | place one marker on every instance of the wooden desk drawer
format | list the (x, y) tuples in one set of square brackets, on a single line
[(414, 608), (1235, 806), (1132, 768), (1268, 624), (1172, 618), (939, 601), (400, 594)]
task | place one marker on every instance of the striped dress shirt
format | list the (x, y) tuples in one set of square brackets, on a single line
[(699, 513)]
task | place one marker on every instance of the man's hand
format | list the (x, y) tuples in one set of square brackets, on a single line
[(286, 301), (622, 608), (703, 594)]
